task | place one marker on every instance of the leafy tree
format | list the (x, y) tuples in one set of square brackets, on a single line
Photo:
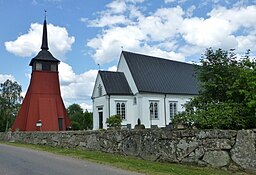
[(80, 120), (227, 96), (10, 99), (88, 120), (114, 121)]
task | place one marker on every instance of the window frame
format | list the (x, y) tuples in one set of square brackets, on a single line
[(53, 67), (39, 66), (99, 90), (173, 109), (121, 109), (154, 109)]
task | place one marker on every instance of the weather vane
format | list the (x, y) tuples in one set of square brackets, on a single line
[(45, 12)]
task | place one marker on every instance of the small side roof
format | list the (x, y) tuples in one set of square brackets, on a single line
[(158, 75), (115, 83)]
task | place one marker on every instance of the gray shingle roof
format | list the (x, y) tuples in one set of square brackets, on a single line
[(115, 83), (157, 75)]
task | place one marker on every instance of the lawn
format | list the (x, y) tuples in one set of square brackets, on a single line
[(130, 163)]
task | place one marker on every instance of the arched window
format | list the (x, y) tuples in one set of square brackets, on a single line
[(100, 90), (153, 109), (156, 110), (118, 109), (173, 109), (121, 109)]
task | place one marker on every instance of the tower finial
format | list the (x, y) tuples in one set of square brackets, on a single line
[(44, 38), (45, 13)]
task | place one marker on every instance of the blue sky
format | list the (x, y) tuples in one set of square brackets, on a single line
[(85, 33)]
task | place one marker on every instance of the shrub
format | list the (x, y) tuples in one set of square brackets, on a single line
[(114, 121)]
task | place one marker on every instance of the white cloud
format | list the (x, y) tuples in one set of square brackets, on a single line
[(76, 86), (135, 1), (108, 46), (4, 77), (66, 74), (155, 51), (117, 6), (212, 32), (190, 10), (107, 20), (29, 44), (246, 42), (113, 68), (86, 106), (136, 35), (163, 24), (173, 32), (169, 1), (237, 16)]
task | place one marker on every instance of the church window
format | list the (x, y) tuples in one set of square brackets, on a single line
[(100, 90), (153, 109), (173, 109), (121, 109)]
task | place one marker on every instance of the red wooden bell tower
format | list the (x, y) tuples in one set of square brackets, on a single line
[(42, 108)]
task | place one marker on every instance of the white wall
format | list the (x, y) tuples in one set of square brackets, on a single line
[(100, 102), (130, 108), (123, 67), (95, 92), (139, 110), (163, 112)]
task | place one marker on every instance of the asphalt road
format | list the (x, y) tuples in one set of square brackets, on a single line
[(22, 161)]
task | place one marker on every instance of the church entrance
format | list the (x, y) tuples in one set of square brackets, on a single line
[(101, 120)]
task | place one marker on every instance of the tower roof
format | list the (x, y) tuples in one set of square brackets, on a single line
[(44, 54), (44, 38)]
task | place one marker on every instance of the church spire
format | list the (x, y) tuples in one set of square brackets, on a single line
[(44, 39)]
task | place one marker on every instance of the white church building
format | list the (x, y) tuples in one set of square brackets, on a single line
[(148, 88)]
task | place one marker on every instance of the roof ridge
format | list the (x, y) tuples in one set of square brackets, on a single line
[(156, 57)]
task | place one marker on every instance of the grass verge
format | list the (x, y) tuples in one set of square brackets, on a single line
[(129, 163)]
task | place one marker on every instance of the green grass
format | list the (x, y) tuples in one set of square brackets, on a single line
[(129, 163)]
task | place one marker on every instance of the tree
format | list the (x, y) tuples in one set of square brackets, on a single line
[(227, 96), (88, 120), (80, 120), (10, 99)]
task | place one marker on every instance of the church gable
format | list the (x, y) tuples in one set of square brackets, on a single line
[(99, 89)]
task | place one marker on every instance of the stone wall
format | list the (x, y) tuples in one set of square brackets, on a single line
[(226, 149)]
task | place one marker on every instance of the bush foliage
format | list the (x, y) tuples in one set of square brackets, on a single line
[(114, 121), (227, 96)]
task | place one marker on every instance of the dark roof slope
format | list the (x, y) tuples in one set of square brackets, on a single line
[(157, 75), (115, 83), (44, 55)]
